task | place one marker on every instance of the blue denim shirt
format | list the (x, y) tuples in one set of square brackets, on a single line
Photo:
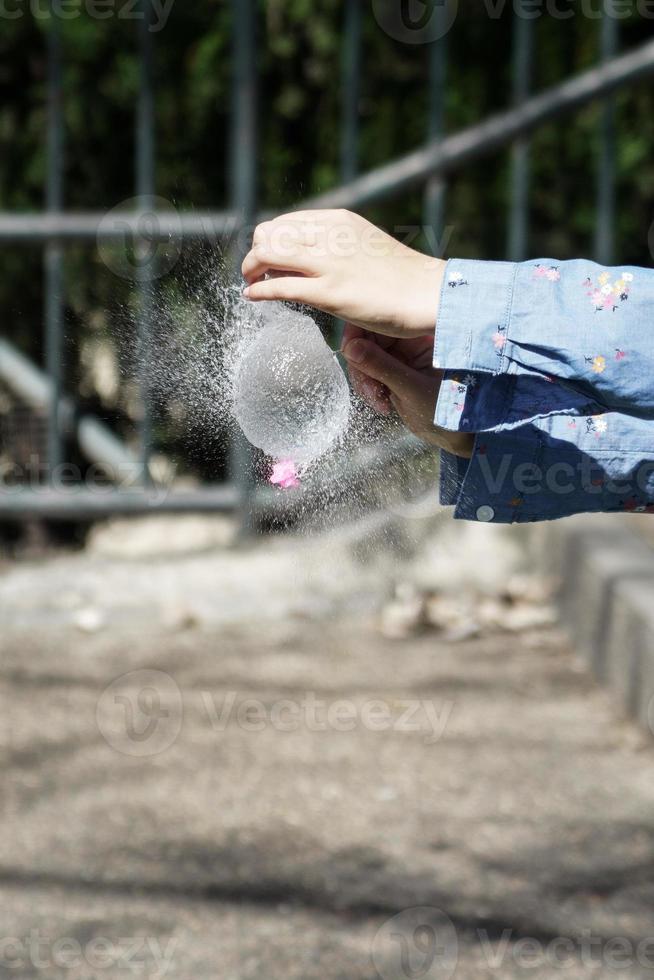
[(551, 365)]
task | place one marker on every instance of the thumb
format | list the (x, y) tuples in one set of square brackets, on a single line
[(377, 363)]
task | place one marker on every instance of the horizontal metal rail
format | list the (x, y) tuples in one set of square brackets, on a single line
[(17, 503), (441, 156), (116, 226)]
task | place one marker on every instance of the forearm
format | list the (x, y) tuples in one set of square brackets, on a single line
[(457, 443), (551, 365), (575, 323)]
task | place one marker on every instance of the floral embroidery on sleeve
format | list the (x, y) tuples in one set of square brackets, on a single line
[(605, 295), (499, 340), (597, 425), (550, 272), (455, 279), (458, 389), (597, 363)]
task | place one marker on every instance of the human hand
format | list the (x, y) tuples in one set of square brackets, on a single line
[(391, 374), (338, 262)]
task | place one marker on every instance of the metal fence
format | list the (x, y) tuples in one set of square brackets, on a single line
[(427, 167)]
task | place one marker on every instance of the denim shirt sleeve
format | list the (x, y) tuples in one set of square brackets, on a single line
[(551, 365)]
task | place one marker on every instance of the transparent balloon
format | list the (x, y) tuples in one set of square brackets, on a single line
[(290, 395)]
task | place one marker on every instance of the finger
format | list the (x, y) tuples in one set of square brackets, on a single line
[(261, 232), (376, 397), (264, 258), (324, 215), (312, 228), (372, 392), (278, 235), (351, 332), (303, 226), (292, 289), (376, 363)]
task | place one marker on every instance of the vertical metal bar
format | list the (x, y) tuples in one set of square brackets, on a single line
[(350, 98), (523, 44), (351, 90), (145, 187), (53, 257), (436, 187), (243, 181), (605, 222), (145, 107), (244, 112)]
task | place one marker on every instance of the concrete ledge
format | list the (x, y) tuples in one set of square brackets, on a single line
[(605, 576)]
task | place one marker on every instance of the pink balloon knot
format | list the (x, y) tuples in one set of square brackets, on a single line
[(284, 474)]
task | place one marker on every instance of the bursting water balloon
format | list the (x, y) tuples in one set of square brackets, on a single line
[(290, 395)]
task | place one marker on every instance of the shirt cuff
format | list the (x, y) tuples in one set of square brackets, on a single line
[(453, 471), (532, 475), (493, 486), (477, 402), (472, 324)]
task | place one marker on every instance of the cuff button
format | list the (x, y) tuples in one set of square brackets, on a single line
[(485, 513)]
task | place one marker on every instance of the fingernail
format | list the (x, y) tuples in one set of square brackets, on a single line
[(246, 292), (355, 351)]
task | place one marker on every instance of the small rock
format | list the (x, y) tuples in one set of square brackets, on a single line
[(466, 631), (529, 616), (404, 615), (445, 612)]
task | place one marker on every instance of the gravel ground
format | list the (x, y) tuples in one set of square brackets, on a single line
[(300, 798)]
